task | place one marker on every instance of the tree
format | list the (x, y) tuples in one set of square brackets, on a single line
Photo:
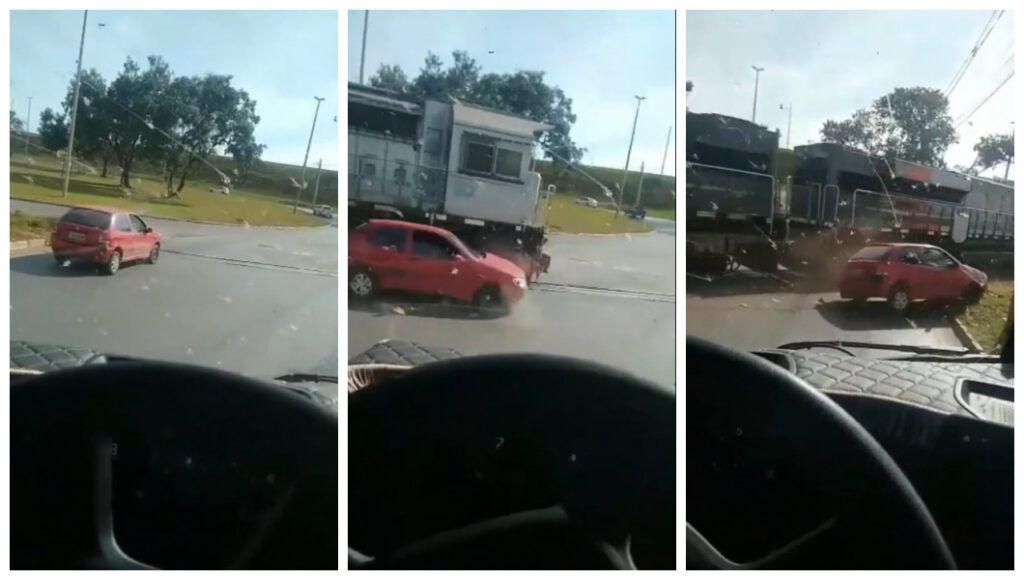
[(390, 77), (53, 130), (134, 98), (908, 123), (16, 124), (994, 150), (92, 129)]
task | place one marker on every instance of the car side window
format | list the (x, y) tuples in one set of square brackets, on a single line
[(137, 223), (387, 236), (122, 223), (428, 245), (937, 258), (910, 256)]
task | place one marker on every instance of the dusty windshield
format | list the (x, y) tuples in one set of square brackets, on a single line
[(811, 135), (213, 162), (491, 127)]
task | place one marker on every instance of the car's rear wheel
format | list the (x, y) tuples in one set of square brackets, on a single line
[(154, 254), (361, 283), (113, 264), (899, 298), (971, 295)]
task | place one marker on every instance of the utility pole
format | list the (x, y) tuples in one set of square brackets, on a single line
[(640, 186), (625, 170), (302, 178), (362, 57), (789, 125), (757, 78), (28, 122), (316, 188), (74, 110), (668, 139)]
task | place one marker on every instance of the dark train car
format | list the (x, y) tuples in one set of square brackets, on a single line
[(730, 192)]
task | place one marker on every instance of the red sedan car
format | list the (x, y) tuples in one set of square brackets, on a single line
[(903, 273), (106, 237), (397, 255)]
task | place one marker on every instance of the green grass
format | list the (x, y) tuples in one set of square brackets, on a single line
[(564, 215), (42, 181), (665, 214), (986, 320), (30, 227)]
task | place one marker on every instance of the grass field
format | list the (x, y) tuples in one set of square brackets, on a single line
[(566, 216), (42, 181), (665, 214), (29, 227), (985, 320)]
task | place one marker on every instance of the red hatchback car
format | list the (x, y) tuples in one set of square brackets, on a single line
[(397, 255), (106, 237), (902, 273)]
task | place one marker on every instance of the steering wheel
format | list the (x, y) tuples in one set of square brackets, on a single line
[(603, 439), (876, 518), (62, 427)]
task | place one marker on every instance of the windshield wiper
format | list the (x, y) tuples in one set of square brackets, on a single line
[(844, 344), (306, 378)]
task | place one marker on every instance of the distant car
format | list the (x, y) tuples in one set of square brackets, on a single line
[(637, 213), (106, 237), (903, 273), (587, 201), (422, 259), (223, 190), (325, 211)]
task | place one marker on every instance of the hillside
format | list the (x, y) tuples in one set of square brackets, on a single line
[(658, 190)]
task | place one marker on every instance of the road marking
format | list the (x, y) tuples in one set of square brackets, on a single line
[(596, 291), (254, 264)]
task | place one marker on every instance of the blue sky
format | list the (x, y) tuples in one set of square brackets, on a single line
[(829, 64), (282, 59), (600, 60)]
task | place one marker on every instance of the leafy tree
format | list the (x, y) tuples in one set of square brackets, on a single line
[(92, 130), (392, 78), (53, 130), (16, 124), (994, 150), (134, 98), (908, 123)]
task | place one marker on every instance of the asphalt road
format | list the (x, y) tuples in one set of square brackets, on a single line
[(258, 301), (752, 311), (606, 299)]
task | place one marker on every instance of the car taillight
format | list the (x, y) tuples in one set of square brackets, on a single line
[(102, 239)]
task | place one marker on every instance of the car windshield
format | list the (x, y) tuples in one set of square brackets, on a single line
[(815, 137), (531, 155), (212, 152)]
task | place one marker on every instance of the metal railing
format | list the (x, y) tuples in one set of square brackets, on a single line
[(713, 178)]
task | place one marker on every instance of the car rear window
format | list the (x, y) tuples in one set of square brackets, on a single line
[(87, 217), (876, 253)]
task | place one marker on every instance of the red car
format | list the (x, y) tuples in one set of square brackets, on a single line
[(397, 255), (106, 237), (902, 273)]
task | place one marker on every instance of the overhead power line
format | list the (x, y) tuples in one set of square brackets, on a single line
[(985, 32), (964, 118)]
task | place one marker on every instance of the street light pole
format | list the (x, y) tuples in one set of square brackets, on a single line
[(316, 188), (1013, 133), (640, 185), (28, 124), (789, 124), (302, 177), (74, 110), (668, 139), (625, 170), (757, 78), (362, 57)]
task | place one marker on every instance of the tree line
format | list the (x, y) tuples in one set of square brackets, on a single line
[(174, 122)]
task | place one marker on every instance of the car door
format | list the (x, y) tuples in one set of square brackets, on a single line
[(942, 270), (912, 271), (124, 237), (387, 254), (434, 265), (145, 237)]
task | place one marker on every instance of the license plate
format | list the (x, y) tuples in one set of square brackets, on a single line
[(76, 236)]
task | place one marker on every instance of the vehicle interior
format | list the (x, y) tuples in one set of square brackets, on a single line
[(509, 462), (129, 464), (810, 456)]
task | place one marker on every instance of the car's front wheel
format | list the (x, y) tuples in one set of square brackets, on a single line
[(154, 254), (113, 264), (361, 283), (489, 300)]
